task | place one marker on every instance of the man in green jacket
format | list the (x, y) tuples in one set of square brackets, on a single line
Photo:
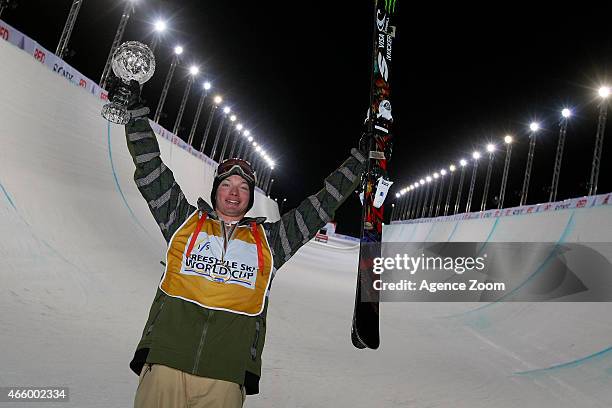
[(202, 342)]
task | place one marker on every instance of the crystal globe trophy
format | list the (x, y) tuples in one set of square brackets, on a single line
[(132, 60)]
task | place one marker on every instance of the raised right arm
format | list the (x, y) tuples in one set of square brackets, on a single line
[(154, 180)]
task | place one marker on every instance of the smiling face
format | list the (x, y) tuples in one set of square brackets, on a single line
[(232, 198)]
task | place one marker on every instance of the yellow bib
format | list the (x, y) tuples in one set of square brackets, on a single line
[(233, 277)]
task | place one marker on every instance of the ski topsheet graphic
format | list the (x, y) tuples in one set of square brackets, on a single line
[(375, 183)]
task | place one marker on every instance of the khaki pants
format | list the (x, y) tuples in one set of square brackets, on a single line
[(160, 386)]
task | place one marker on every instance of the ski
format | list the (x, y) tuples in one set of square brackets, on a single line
[(365, 325)]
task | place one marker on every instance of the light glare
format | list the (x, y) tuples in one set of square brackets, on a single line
[(160, 26)]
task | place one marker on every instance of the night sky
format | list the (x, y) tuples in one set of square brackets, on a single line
[(297, 74)]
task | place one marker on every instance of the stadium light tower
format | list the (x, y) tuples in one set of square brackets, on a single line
[(205, 88), (436, 176), (452, 169), (266, 181), (412, 192), (604, 93), (502, 192), (565, 115), (159, 27), (411, 199), (491, 151), (417, 200), (178, 50), (228, 135), (237, 139), (213, 108), (193, 72), (226, 112), (428, 180), (442, 174), (127, 12), (403, 201), (269, 188), (246, 135), (419, 207), (62, 45), (462, 163), (468, 205), (533, 127)]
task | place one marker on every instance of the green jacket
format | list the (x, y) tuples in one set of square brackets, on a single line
[(201, 341)]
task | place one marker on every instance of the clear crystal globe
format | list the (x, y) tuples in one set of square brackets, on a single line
[(133, 60)]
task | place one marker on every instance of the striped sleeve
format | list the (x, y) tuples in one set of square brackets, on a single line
[(301, 224), (154, 180)]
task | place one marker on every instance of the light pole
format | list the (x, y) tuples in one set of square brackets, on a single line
[(158, 29), (452, 169), (4, 4), (62, 45), (127, 12), (565, 114), (216, 102), (205, 88), (246, 138), (261, 178), (426, 198), (237, 139), (433, 195), (604, 93), (468, 205), (534, 127), (404, 201), (178, 50), (228, 134), (193, 71), (491, 151), (463, 163), (502, 192), (442, 174), (416, 202), (226, 112), (267, 182), (252, 152), (400, 203), (269, 189)]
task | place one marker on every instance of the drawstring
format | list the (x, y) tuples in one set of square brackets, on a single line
[(194, 237), (260, 260)]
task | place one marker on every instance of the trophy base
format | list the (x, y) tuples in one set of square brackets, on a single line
[(115, 113)]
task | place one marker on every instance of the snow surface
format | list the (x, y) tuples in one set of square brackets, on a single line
[(79, 264)]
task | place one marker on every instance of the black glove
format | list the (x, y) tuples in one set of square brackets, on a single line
[(119, 89)]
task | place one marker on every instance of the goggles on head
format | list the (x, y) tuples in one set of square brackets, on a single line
[(237, 166)]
